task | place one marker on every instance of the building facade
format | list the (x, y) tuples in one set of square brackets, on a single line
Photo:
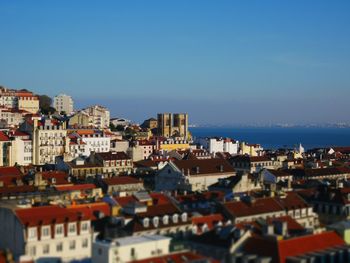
[(63, 103), (173, 125)]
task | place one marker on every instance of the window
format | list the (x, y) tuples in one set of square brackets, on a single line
[(32, 251), (46, 249), (59, 247), (72, 244), (84, 226), (59, 230), (32, 233), (85, 243), (72, 228), (45, 231)]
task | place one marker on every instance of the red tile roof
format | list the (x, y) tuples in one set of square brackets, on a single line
[(280, 250), (176, 258), (77, 187), (10, 170), (209, 220), (13, 190), (10, 180), (92, 209), (292, 201), (160, 210), (61, 177), (119, 180), (256, 207), (47, 215), (4, 137)]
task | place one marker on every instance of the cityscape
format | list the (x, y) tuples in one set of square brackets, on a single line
[(129, 135)]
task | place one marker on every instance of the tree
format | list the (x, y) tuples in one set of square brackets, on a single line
[(45, 104)]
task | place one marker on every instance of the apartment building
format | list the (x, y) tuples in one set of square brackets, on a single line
[(47, 233), (48, 136), (63, 103), (92, 117)]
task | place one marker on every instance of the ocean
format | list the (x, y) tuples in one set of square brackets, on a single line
[(274, 138)]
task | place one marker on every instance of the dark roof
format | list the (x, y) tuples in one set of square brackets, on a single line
[(319, 172), (247, 158), (204, 166), (279, 173), (113, 156)]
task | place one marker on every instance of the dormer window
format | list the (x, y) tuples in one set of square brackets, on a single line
[(84, 226), (145, 222), (165, 220), (184, 217), (155, 221), (72, 228), (45, 231), (175, 218), (32, 233)]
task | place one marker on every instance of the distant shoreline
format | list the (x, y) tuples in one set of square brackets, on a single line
[(280, 137), (325, 126)]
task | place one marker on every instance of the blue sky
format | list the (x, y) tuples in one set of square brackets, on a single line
[(221, 61)]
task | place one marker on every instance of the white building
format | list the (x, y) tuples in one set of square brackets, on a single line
[(21, 152), (46, 234), (100, 116), (214, 145), (63, 103), (120, 122), (19, 99), (12, 117), (192, 175), (92, 117), (127, 249), (49, 138)]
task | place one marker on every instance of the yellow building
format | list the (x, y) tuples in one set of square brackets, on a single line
[(28, 103), (170, 145), (250, 149), (80, 119)]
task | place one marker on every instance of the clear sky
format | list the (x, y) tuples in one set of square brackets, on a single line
[(220, 61)]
